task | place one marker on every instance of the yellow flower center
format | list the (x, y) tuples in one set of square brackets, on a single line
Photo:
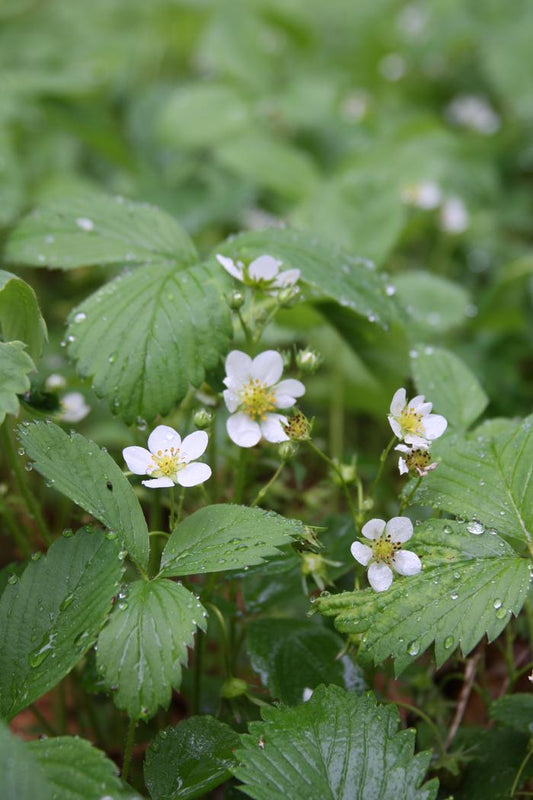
[(384, 550), (257, 399), (411, 422), (166, 463), (418, 459)]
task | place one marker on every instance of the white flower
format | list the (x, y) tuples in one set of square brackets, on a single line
[(254, 391), (73, 407), (169, 459), (453, 217), (426, 195), (386, 552), (417, 459), (262, 273), (413, 422), (307, 694), (475, 113), (54, 382)]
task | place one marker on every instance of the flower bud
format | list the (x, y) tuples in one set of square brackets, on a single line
[(203, 418), (308, 360), (233, 687), (347, 476), (288, 295), (236, 300), (287, 450)]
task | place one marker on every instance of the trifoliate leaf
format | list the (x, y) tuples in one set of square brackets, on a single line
[(449, 384), (15, 364), (471, 583), (351, 282), (337, 745), (515, 711), (221, 537), (145, 338), (189, 760), (52, 615), (20, 314), (144, 644), (81, 230), (432, 303), (88, 475), (22, 776), (487, 476), (292, 655)]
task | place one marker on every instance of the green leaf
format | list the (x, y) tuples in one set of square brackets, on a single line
[(515, 711), (352, 282), (470, 585), (144, 644), (449, 384), (498, 754), (22, 777), (145, 338), (79, 231), (432, 303), (487, 476), (74, 769), (189, 760), (20, 315), (221, 537), (337, 745), (15, 364), (52, 615), (88, 475), (292, 655)]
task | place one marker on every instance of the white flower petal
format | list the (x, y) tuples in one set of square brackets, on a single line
[(193, 446), (417, 401), (158, 483), (137, 459), (402, 448), (230, 266), (361, 552), (193, 474), (267, 367), (396, 427), (73, 407), (402, 466), (271, 428), (424, 408), (373, 528), (287, 278), (238, 367), (231, 400), (291, 387), (163, 438), (264, 268), (398, 402), (400, 529), (434, 426), (418, 442), (406, 563), (242, 430), (379, 577)]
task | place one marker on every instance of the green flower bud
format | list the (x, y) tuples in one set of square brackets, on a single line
[(233, 687), (287, 450), (308, 360), (203, 418), (236, 300)]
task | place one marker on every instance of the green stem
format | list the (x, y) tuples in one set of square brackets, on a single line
[(42, 719), (406, 500), (516, 782), (245, 329), (180, 505), (262, 492), (240, 480), (382, 459), (11, 523), (14, 463), (225, 640), (172, 509), (198, 669), (356, 514), (429, 722), (128, 746), (213, 454)]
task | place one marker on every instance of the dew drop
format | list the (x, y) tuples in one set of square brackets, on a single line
[(413, 648), (112, 358), (111, 535), (448, 642), (13, 579), (85, 223), (475, 527), (67, 533), (497, 604), (80, 317), (447, 529), (454, 595), (122, 555), (36, 556), (21, 451), (28, 467), (501, 613), (66, 602)]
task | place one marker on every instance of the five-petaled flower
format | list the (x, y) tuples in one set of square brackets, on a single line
[(254, 392), (413, 422), (416, 460), (169, 460), (386, 553), (261, 273)]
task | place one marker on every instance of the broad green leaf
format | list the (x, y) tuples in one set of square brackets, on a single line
[(515, 711), (145, 338), (52, 615), (221, 537), (82, 230), (449, 384), (20, 315), (21, 775), (88, 475), (15, 364), (75, 770), (337, 745), (496, 756), (292, 655), (333, 274), (470, 585), (189, 760), (11, 178), (143, 646), (433, 304), (487, 476)]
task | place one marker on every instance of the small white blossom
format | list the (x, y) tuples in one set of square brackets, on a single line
[(168, 459), (386, 554), (54, 382), (426, 195), (262, 273), (254, 392), (475, 113), (453, 217), (415, 459), (73, 407), (307, 694), (413, 422)]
